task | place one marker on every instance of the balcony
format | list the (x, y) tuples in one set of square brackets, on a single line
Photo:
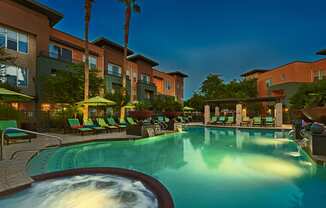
[(59, 57)]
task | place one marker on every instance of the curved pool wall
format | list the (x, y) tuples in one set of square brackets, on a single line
[(207, 167), (84, 191)]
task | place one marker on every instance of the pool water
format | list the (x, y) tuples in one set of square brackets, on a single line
[(208, 167), (85, 191)]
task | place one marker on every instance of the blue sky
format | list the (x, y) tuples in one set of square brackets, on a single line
[(227, 37)]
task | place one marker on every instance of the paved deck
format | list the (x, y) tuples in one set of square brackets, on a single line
[(13, 173)]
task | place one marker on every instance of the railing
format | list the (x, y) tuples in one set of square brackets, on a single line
[(59, 57), (25, 131)]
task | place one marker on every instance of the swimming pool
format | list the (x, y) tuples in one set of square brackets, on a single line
[(208, 167)]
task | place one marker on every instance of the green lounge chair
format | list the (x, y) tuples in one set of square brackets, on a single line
[(112, 123), (257, 121), (166, 120), (229, 120), (269, 121), (12, 134), (122, 123), (245, 121), (221, 120), (131, 121), (76, 126), (90, 124), (180, 118), (213, 120), (101, 122)]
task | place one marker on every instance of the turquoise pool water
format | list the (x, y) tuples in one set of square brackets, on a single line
[(208, 167)]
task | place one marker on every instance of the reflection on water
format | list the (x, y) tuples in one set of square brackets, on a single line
[(87, 191), (221, 167)]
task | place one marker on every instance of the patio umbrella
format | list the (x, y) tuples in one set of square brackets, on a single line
[(186, 108), (97, 101), (130, 106), (11, 96)]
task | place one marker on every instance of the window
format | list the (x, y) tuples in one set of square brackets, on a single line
[(54, 51), (268, 83), (145, 78), (14, 76), (114, 70), (2, 37), (92, 62), (167, 85), (319, 75), (22, 43), (12, 40), (66, 54)]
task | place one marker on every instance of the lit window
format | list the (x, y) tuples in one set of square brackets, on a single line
[(12, 40), (23, 43), (319, 75), (14, 76)]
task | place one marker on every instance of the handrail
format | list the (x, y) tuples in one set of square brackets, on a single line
[(25, 131)]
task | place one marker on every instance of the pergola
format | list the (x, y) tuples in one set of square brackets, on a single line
[(239, 102)]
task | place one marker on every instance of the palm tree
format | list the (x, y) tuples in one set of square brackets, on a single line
[(88, 6), (130, 6)]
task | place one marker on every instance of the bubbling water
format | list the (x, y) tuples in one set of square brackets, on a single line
[(96, 191)]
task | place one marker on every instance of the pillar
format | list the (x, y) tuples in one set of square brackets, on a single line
[(217, 111), (278, 114), (207, 116), (238, 114)]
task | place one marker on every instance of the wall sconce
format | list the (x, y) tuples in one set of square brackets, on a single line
[(45, 107)]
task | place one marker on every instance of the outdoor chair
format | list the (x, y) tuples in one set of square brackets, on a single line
[(75, 125), (131, 121), (213, 120), (180, 119), (101, 122), (12, 134), (122, 123), (221, 120), (257, 121), (269, 121), (90, 124), (245, 121), (229, 120), (113, 123)]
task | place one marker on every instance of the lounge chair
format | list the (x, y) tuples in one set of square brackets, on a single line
[(166, 120), (245, 121), (76, 126), (257, 121), (90, 124), (213, 120), (229, 120), (101, 122), (221, 120), (269, 121), (113, 123), (131, 121), (122, 123), (12, 134), (180, 118)]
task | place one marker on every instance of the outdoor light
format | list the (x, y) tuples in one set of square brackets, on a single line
[(45, 107), (286, 109), (14, 105)]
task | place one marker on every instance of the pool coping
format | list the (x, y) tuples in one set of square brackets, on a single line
[(162, 194)]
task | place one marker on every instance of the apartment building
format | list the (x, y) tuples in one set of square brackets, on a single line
[(42, 50), (286, 79)]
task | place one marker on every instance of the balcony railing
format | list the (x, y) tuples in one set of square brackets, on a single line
[(59, 57)]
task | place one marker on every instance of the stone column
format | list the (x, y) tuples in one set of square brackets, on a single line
[(278, 114), (238, 114), (217, 111), (207, 116)]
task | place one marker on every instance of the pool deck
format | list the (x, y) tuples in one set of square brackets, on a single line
[(13, 175)]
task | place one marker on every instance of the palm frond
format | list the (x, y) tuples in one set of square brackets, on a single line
[(137, 8)]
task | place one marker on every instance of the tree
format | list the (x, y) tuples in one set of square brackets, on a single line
[(56, 89), (212, 87), (165, 103), (309, 95), (119, 98), (88, 6), (7, 59), (130, 6), (196, 102)]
